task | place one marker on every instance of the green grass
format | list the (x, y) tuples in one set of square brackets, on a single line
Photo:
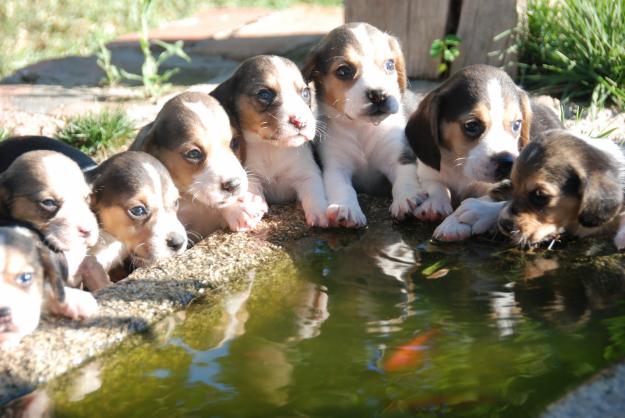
[(98, 135), (34, 30), (576, 49)]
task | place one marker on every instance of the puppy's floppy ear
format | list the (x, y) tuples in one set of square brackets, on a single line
[(310, 71), (422, 132), (526, 110), (144, 138), (4, 198), (54, 271), (602, 199), (400, 63), (226, 93)]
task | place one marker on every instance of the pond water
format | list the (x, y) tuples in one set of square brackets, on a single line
[(377, 323)]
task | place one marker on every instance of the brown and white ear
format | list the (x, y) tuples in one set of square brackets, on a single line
[(400, 63), (526, 110), (602, 199), (310, 70), (422, 132), (54, 271), (144, 138)]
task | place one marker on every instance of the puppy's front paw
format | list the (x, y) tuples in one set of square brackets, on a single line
[(404, 206), (78, 304), (246, 213), (451, 229), (316, 217), (346, 216), (433, 209)]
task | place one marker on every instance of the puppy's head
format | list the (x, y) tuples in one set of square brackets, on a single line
[(268, 101), (29, 271), (561, 183), (136, 202), (48, 190), (191, 136), (359, 73), (478, 119)]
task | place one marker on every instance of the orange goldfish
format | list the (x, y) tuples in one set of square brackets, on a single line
[(410, 355)]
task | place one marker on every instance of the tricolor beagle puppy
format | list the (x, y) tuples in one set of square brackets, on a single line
[(191, 136), (360, 78), (566, 184), (466, 134), (269, 105), (48, 190), (33, 279), (135, 201)]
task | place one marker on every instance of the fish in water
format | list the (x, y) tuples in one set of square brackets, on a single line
[(408, 356)]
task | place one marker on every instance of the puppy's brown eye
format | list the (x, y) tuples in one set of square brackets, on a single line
[(538, 198), (345, 72), (24, 279), (194, 155), (266, 96), (516, 125), (49, 205), (138, 212), (473, 128), (389, 65), (306, 94)]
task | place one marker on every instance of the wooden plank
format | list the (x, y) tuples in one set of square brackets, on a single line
[(415, 22), (480, 22), (428, 20)]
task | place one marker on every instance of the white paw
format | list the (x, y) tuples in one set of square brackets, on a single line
[(404, 206), (451, 229), (246, 213), (316, 217), (434, 209), (346, 216), (78, 304)]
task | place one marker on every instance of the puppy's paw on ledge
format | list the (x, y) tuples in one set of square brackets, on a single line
[(406, 206), (434, 210), (346, 216)]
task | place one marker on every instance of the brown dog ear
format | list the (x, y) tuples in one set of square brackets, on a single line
[(54, 271), (400, 63), (144, 138), (422, 132), (526, 110), (4, 199), (602, 199), (310, 70), (226, 94)]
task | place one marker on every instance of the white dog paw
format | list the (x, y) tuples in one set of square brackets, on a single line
[(451, 229), (246, 213), (404, 206), (473, 217), (346, 216), (433, 210), (78, 304), (316, 217)]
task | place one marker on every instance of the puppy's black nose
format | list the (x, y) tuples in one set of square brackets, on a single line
[(176, 242), (506, 225), (377, 96), (503, 165), (5, 311), (231, 185)]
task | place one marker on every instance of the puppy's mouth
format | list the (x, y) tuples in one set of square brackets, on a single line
[(382, 109)]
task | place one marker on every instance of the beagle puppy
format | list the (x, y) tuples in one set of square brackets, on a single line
[(33, 279), (191, 136), (565, 184), (269, 105), (135, 201), (360, 77), (466, 134), (47, 190)]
